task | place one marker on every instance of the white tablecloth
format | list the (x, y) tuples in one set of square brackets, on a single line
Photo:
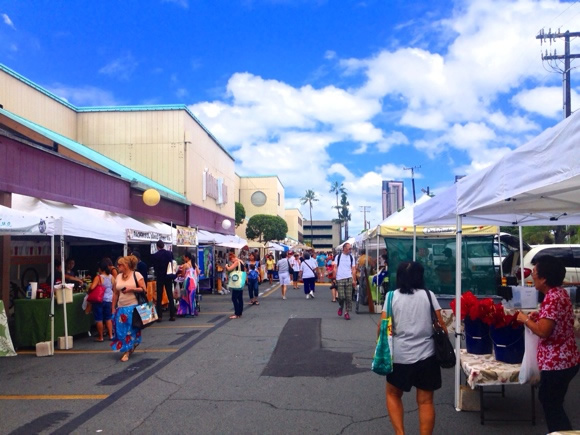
[(6, 346), (484, 370)]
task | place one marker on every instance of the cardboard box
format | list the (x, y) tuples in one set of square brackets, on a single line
[(62, 342)]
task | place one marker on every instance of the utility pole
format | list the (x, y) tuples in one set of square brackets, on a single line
[(566, 57), (412, 169), (364, 209)]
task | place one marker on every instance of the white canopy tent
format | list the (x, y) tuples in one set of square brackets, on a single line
[(20, 223), (536, 184)]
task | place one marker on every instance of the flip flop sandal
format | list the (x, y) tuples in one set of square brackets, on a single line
[(125, 357), (234, 317)]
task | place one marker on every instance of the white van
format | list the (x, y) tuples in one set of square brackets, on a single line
[(568, 254), (479, 255)]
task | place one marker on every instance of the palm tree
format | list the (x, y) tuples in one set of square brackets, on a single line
[(309, 197), (344, 213), (338, 188)]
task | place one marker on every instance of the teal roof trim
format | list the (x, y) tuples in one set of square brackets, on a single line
[(112, 165), (114, 108)]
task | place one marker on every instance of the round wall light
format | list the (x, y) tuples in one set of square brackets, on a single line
[(151, 197), (226, 224)]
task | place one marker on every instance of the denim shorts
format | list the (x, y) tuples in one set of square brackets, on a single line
[(103, 311)]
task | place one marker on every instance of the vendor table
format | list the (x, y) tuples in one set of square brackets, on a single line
[(32, 320), (484, 371)]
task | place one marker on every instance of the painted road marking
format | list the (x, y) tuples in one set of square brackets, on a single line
[(175, 326), (90, 351), (269, 292), (54, 396)]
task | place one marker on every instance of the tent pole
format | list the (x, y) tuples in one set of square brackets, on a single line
[(520, 235), (499, 251), (125, 249), (63, 269), (52, 294), (458, 263), (378, 284), (414, 242)]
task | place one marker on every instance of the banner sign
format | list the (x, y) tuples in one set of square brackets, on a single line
[(147, 236), (214, 188), (186, 236)]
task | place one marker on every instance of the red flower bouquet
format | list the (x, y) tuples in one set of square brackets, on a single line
[(485, 310)]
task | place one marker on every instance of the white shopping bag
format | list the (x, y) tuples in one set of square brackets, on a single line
[(530, 372)]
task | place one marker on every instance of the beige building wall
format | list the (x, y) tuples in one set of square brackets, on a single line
[(295, 220), (25, 99), (251, 190)]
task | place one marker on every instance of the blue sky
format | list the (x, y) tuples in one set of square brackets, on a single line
[(314, 90)]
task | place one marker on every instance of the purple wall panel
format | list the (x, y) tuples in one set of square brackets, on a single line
[(31, 171)]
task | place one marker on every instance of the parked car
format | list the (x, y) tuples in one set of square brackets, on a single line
[(568, 254), (481, 256)]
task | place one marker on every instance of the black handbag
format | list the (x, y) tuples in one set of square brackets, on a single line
[(142, 295), (444, 351)]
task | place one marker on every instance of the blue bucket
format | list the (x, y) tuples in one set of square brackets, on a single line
[(477, 339), (508, 344)]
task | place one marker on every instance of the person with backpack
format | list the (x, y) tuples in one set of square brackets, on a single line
[(345, 274)]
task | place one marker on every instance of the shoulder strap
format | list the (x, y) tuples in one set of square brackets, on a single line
[(433, 315), (351, 260), (338, 260)]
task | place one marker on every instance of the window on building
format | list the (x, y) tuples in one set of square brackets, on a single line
[(278, 198), (258, 198)]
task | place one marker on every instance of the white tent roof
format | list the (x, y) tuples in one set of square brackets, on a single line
[(20, 223), (536, 184), (76, 221), (400, 218)]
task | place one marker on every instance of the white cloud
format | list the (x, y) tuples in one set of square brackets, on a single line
[(330, 55), (546, 101), (395, 138), (8, 21), (181, 3), (121, 68), (83, 96), (181, 93)]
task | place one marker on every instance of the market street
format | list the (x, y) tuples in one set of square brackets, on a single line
[(287, 366)]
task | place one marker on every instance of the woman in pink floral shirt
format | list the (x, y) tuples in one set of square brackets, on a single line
[(558, 355)]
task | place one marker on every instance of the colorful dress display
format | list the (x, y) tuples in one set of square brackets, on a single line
[(187, 303)]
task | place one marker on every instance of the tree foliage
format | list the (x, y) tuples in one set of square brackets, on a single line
[(544, 235), (240, 213), (263, 227)]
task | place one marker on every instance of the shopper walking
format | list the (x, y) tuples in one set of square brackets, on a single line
[(414, 361), (308, 275), (127, 283), (270, 267), (283, 268), (161, 260), (253, 291), (345, 273), (237, 294), (295, 263)]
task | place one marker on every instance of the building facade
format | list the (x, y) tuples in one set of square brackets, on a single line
[(393, 197), (167, 144), (295, 222), (324, 235)]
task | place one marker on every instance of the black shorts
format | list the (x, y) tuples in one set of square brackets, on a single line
[(424, 375), (270, 272)]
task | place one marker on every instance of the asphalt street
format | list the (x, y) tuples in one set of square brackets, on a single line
[(286, 367)]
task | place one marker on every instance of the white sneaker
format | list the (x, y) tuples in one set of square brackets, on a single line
[(307, 296), (284, 297), (311, 294)]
